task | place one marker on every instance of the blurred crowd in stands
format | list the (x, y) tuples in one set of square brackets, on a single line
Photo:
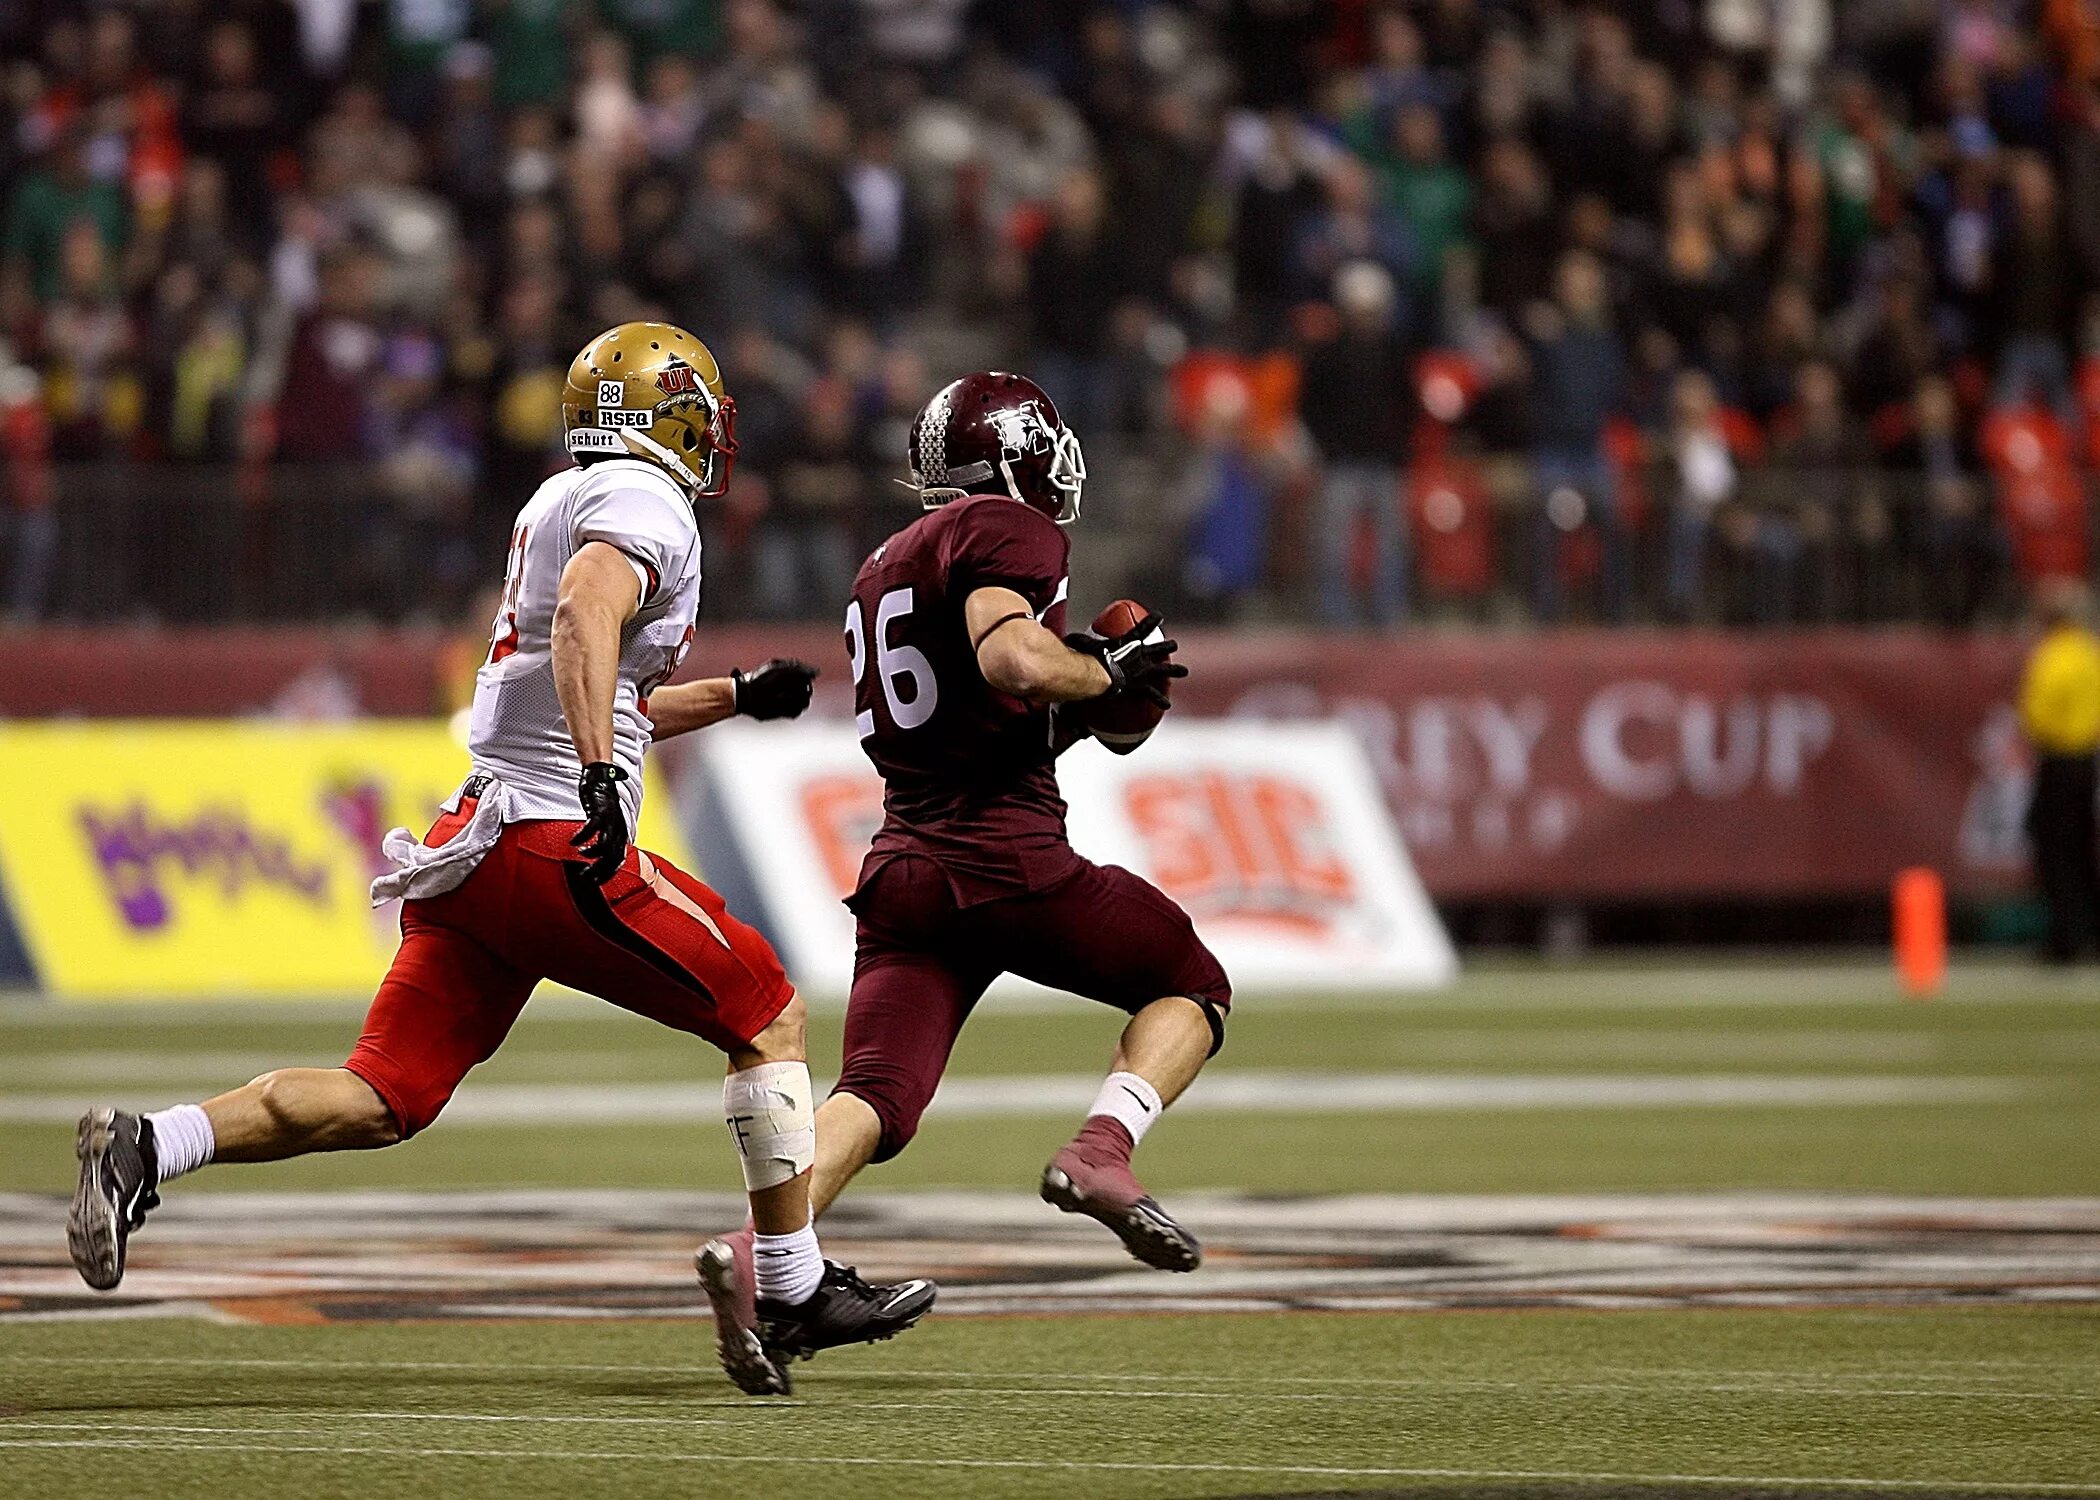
[(1721, 311)]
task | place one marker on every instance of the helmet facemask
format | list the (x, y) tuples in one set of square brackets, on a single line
[(701, 454), (1067, 473)]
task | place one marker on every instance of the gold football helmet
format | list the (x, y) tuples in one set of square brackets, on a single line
[(653, 392)]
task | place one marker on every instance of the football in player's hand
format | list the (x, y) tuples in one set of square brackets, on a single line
[(1123, 721)]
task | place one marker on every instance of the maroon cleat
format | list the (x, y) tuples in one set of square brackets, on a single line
[(1092, 1176), (726, 1273)]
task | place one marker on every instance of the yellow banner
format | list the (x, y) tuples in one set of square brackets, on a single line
[(199, 859)]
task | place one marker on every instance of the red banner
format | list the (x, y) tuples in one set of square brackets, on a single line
[(1576, 765), (1633, 765)]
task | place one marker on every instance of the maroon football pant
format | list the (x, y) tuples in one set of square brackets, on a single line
[(923, 962)]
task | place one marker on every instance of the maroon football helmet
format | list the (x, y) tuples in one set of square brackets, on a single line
[(990, 434)]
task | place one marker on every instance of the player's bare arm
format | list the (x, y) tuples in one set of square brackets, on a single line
[(600, 591), (778, 690), (1020, 657), (599, 594), (683, 707)]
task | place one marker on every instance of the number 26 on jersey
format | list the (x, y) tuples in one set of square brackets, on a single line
[(909, 691)]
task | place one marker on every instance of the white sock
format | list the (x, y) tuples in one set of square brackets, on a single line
[(789, 1266), (1130, 1101), (182, 1139)]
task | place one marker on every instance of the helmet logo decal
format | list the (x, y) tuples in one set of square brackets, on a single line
[(678, 378), (1021, 428)]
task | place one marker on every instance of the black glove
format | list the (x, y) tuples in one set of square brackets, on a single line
[(778, 690), (1135, 665), (1068, 726), (603, 837)]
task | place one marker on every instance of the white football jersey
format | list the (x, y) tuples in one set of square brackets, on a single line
[(519, 734)]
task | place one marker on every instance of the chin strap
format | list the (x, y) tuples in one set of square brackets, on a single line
[(647, 447)]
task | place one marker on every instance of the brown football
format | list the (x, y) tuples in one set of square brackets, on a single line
[(1120, 722)]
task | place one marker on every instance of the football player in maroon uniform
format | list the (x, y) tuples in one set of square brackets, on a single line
[(966, 689)]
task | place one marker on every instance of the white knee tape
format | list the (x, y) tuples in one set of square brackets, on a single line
[(772, 1121)]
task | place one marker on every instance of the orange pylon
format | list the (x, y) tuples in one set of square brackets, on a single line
[(1918, 912)]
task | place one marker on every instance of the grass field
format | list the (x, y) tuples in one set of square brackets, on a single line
[(1775, 1327)]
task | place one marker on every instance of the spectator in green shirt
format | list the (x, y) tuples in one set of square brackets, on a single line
[(532, 51), (50, 201), (1434, 197), (653, 27)]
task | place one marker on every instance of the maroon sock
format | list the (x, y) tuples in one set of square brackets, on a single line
[(1104, 1141)]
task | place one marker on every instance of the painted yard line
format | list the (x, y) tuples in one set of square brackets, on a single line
[(1788, 1388), (448, 1210), (1985, 1361), (124, 1312), (148, 1429), (529, 1213), (99, 1066), (947, 1395), (1675, 1044), (1665, 985), (1090, 1466), (28, 1009), (246, 1362), (1668, 1381), (156, 1428), (1252, 1092), (1639, 987), (1784, 1383), (1965, 1373)]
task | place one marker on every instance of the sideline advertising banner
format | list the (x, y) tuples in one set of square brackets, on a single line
[(148, 860), (1651, 765), (1274, 837), (1576, 765)]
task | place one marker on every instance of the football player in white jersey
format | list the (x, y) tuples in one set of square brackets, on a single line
[(531, 873)]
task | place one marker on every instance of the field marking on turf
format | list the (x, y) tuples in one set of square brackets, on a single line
[(1748, 986), (1666, 1382), (121, 1312), (10, 1425), (100, 1066), (1226, 1092), (1468, 1383), (1471, 1384), (1079, 1465), (612, 1254), (139, 1430), (1968, 1370), (1663, 986)]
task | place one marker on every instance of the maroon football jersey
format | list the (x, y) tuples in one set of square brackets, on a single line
[(968, 771)]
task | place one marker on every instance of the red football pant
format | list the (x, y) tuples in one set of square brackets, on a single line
[(470, 958), (923, 962)]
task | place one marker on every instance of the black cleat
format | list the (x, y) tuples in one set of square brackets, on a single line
[(118, 1177), (843, 1310)]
